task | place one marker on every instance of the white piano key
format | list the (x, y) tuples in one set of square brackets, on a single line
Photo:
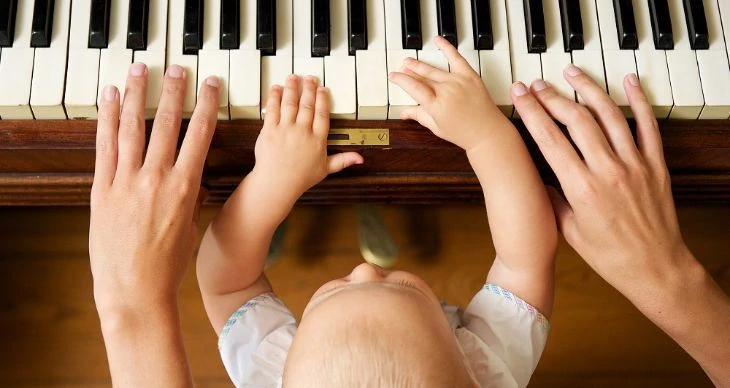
[(275, 69), (175, 56), (244, 92), (724, 7), (395, 55), (555, 59), (212, 61), (154, 55), (49, 73), (683, 71), (339, 66), (590, 59), (526, 67), (495, 65), (115, 60), (714, 68), (465, 34), (652, 64), (16, 68), (304, 63), (371, 68), (429, 29), (82, 73), (618, 63)]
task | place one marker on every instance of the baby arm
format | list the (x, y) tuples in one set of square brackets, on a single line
[(291, 157), (457, 107)]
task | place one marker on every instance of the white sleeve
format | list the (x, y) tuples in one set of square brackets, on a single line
[(255, 341), (505, 337)]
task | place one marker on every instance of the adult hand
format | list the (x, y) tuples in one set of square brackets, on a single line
[(143, 207), (143, 225), (619, 216)]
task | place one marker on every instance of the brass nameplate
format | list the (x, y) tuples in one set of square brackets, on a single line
[(359, 136)]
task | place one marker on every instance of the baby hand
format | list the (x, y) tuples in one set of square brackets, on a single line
[(454, 106), (291, 151)]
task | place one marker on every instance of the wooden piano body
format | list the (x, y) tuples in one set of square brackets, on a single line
[(52, 163)]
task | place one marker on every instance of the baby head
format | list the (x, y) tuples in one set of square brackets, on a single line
[(375, 328)]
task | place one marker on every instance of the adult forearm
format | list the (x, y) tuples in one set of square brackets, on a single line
[(688, 305), (517, 204), (144, 346)]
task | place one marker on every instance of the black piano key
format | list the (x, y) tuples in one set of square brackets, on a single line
[(481, 21), (193, 27), (230, 23), (694, 13), (446, 13), (266, 26), (661, 24), (99, 23), (625, 25), (572, 23), (320, 28), (535, 26), (42, 26), (357, 25), (411, 24), (137, 24), (7, 22)]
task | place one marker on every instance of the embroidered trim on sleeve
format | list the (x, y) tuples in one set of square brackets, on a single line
[(517, 301), (243, 309)]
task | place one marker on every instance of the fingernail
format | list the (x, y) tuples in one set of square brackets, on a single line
[(213, 81), (309, 79), (539, 85), (293, 77), (519, 89), (633, 79), (110, 93), (137, 69), (321, 89), (390, 75), (408, 60), (175, 71), (572, 70)]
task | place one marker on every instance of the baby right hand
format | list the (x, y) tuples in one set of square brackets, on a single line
[(454, 106), (291, 150)]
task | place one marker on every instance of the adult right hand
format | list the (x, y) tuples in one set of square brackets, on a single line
[(618, 212)]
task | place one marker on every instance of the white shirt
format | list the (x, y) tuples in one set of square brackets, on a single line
[(501, 336)]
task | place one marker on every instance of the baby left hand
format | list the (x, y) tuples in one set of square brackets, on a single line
[(291, 150)]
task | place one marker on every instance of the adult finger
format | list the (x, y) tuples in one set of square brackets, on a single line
[(290, 100), (583, 129), (339, 162), (647, 128), (131, 126), (425, 70), (457, 62), (200, 131), (107, 127), (305, 116), (419, 91), (564, 215), (202, 196), (166, 128), (273, 106), (558, 152), (609, 116), (321, 121)]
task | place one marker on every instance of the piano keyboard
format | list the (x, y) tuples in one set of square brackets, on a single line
[(57, 55)]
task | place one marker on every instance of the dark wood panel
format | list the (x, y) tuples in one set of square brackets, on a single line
[(52, 162)]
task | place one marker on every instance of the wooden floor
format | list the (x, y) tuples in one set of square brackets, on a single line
[(49, 333)]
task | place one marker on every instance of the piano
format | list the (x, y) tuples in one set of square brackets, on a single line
[(57, 55)]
